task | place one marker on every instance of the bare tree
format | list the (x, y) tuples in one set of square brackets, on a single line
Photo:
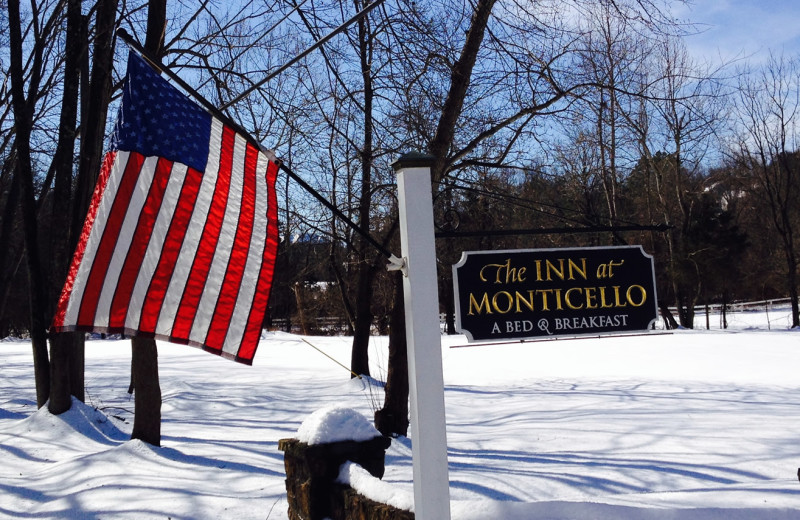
[(66, 349), (613, 53), (348, 85), (144, 352), (768, 104), (23, 106), (674, 120), (51, 75)]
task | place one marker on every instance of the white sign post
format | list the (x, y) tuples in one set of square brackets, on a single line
[(426, 384)]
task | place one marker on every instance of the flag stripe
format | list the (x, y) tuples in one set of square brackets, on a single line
[(94, 239), (201, 264), (259, 307), (126, 234), (137, 245), (237, 257), (173, 242), (191, 241), (67, 295), (108, 240), (249, 281), (166, 221), (226, 245)]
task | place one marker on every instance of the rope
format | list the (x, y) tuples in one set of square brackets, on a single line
[(329, 357), (373, 399)]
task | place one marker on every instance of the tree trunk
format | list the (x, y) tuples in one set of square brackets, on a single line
[(350, 313), (446, 292), (449, 303), (301, 309), (792, 283), (392, 419), (147, 402), (64, 154), (23, 121), (359, 359), (144, 358), (93, 124), (460, 76), (669, 319), (9, 257), (61, 349), (66, 348), (77, 364), (725, 308), (439, 146)]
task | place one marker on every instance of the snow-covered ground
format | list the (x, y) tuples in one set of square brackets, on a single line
[(694, 425)]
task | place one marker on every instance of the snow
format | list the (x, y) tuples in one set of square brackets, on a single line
[(696, 425), (336, 423), (373, 488)]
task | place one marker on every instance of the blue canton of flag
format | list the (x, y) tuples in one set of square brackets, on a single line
[(158, 120)]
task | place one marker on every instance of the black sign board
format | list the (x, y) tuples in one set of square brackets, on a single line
[(549, 292)]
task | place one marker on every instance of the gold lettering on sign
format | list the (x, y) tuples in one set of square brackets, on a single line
[(545, 300), (503, 273)]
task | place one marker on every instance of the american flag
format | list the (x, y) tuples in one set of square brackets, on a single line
[(180, 240)]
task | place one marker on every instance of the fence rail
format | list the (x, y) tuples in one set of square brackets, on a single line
[(765, 314), (770, 314)]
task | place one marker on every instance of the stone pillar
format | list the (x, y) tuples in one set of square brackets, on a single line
[(312, 470)]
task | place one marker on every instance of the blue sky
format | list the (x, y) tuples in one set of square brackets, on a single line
[(743, 28)]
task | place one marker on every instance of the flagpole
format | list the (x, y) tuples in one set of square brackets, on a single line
[(217, 113)]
